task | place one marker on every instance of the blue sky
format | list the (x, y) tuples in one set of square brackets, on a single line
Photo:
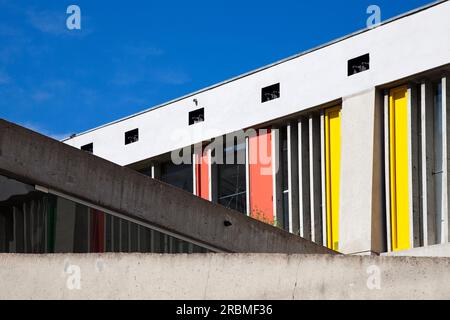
[(132, 55)]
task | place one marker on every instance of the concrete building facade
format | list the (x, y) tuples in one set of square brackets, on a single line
[(345, 145)]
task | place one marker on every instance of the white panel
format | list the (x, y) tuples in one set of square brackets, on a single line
[(322, 178), (194, 174), (210, 191), (289, 164), (300, 179)]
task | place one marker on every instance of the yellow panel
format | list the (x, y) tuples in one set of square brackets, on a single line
[(399, 168), (332, 173)]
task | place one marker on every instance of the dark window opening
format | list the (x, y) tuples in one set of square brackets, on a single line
[(358, 64), (132, 136), (232, 188), (196, 116), (88, 148), (284, 223), (180, 176), (270, 93)]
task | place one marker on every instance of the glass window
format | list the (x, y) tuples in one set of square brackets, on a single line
[(177, 175), (35, 222), (232, 178)]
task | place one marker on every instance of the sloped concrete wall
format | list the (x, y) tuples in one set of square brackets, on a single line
[(222, 276), (36, 159)]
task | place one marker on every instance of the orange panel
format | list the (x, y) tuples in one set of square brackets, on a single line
[(202, 175), (261, 178)]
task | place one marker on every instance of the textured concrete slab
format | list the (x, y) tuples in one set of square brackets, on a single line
[(437, 250), (222, 276)]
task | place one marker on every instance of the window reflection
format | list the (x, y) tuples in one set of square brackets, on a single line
[(35, 222)]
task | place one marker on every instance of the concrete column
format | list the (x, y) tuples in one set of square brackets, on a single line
[(414, 177), (427, 156), (378, 220), (445, 225), (315, 164), (357, 166)]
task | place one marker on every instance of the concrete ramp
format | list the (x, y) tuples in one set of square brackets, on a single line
[(222, 276), (69, 172)]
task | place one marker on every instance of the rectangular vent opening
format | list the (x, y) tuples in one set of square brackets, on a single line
[(196, 116), (270, 93), (358, 64), (132, 136), (88, 148)]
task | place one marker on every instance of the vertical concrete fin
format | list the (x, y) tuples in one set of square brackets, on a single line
[(294, 224), (445, 234)]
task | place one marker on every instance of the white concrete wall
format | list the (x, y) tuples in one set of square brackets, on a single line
[(406, 46), (217, 276)]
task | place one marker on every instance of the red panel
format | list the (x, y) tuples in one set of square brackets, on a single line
[(261, 177), (97, 231), (202, 175)]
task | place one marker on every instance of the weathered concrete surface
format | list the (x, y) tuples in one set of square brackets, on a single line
[(438, 250), (355, 212), (361, 217), (223, 276), (36, 159)]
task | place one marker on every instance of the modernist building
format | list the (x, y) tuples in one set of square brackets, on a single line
[(356, 133)]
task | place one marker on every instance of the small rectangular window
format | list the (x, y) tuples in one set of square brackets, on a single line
[(132, 136), (196, 116), (270, 93), (358, 64), (88, 148)]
